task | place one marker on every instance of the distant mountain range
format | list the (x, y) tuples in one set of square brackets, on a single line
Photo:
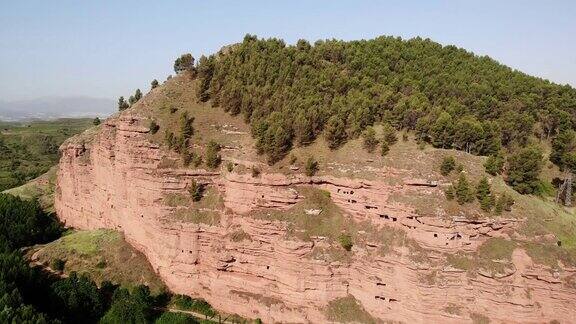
[(56, 107)]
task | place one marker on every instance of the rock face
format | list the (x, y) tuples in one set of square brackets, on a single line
[(116, 181)]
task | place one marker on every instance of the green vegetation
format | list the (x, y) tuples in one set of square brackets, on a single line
[(196, 190), (197, 305), (154, 127), (494, 164), (30, 295), (154, 84), (370, 141), (448, 96), (96, 121), (122, 104), (184, 63), (484, 194), (523, 169), (311, 166), (213, 158), (348, 310), (31, 149), (346, 241), (462, 190), (103, 255), (448, 165)]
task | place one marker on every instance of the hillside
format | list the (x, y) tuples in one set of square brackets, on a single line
[(31, 149), (229, 204), (447, 96)]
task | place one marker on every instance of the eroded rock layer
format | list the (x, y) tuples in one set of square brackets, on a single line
[(254, 267)]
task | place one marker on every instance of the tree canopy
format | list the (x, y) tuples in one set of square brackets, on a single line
[(448, 96)]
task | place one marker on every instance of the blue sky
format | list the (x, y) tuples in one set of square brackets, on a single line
[(109, 48)]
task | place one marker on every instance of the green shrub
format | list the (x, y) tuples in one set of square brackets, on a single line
[(255, 171), (213, 158), (346, 241), (448, 165), (370, 141), (311, 166), (494, 164), (96, 121), (57, 264), (196, 190), (384, 148), (463, 191), (450, 193), (154, 127)]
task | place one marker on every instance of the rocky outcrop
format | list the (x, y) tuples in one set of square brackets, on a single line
[(250, 266)]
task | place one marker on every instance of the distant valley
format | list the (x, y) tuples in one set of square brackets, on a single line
[(47, 108)]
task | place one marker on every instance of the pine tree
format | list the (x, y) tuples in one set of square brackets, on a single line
[(213, 158), (494, 164), (448, 165), (196, 190), (450, 192), (484, 195), (483, 189), (154, 84), (184, 63), (389, 134), (122, 104), (96, 121), (524, 168), (186, 125), (335, 132), (137, 95), (463, 192), (370, 141), (384, 148)]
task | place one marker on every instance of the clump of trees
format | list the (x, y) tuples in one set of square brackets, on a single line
[(448, 97), (564, 156), (465, 193), (494, 165), (184, 63), (136, 97)]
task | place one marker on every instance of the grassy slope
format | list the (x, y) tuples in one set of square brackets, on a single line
[(103, 255)]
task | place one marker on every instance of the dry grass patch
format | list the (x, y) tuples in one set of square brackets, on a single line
[(102, 255), (348, 310)]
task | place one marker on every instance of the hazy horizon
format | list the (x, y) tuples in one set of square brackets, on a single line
[(108, 49)]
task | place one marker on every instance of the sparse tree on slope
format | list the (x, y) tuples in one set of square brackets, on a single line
[(122, 104)]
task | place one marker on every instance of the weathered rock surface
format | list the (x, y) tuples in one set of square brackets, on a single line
[(114, 181)]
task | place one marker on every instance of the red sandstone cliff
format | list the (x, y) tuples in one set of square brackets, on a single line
[(115, 181)]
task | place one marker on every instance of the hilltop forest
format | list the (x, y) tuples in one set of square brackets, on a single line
[(449, 97)]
